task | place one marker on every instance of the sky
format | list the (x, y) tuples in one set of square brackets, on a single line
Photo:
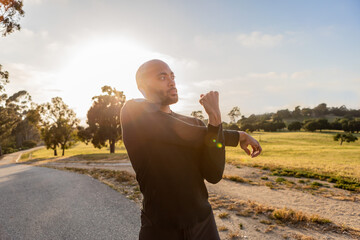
[(261, 56)]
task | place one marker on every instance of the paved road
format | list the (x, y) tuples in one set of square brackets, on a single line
[(42, 203)]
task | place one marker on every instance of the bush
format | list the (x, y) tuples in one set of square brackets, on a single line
[(294, 126), (29, 144), (233, 127), (9, 150), (248, 127), (311, 126)]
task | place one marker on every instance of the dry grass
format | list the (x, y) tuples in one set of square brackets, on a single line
[(222, 228), (289, 215), (234, 235), (283, 216), (270, 185), (236, 178), (301, 237), (267, 222), (270, 228), (223, 215)]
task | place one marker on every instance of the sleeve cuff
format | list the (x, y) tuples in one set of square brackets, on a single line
[(231, 138), (215, 137)]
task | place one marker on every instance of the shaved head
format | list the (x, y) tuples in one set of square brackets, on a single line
[(156, 82), (145, 69)]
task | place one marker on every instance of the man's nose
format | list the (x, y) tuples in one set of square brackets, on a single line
[(171, 82)]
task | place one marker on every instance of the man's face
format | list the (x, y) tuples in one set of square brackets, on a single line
[(159, 83)]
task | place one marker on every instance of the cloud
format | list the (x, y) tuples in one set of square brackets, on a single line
[(258, 39), (269, 75), (34, 2), (300, 75), (209, 83)]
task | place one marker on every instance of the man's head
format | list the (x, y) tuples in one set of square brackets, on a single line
[(156, 82)]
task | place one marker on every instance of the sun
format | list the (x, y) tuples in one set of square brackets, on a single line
[(102, 61)]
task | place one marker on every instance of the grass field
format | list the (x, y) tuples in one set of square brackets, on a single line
[(80, 151), (316, 152)]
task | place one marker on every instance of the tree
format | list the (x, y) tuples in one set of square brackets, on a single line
[(294, 126), (11, 114), (4, 79), (48, 134), (341, 111), (59, 123), (348, 137), (198, 115), (8, 121), (247, 127), (10, 13), (276, 118), (27, 129), (306, 112), (233, 126), (84, 134), (336, 125), (233, 114), (311, 126), (297, 112), (104, 118), (344, 124), (283, 114), (323, 124), (320, 110), (65, 133), (354, 126), (271, 126)]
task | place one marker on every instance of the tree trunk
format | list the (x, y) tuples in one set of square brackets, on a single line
[(55, 152), (63, 149), (0, 151), (341, 141), (112, 146)]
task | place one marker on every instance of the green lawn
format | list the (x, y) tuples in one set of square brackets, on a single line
[(316, 152), (80, 150)]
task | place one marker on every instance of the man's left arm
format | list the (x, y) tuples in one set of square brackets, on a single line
[(213, 159), (213, 154)]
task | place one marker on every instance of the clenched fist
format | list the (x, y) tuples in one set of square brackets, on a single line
[(210, 102)]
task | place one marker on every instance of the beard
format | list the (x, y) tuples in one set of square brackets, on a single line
[(164, 97)]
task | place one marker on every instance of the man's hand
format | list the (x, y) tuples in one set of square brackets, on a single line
[(246, 140), (210, 102)]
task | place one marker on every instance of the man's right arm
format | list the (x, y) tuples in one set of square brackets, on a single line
[(147, 123)]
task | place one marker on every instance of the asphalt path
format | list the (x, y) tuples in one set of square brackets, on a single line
[(43, 203)]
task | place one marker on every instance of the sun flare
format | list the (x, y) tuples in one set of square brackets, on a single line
[(100, 62)]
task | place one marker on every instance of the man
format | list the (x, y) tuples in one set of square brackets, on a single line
[(172, 154)]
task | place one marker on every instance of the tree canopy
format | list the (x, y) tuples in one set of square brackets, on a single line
[(58, 125), (345, 137), (233, 114), (198, 115), (10, 13), (103, 119)]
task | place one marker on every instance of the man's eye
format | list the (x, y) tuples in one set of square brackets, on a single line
[(162, 78)]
